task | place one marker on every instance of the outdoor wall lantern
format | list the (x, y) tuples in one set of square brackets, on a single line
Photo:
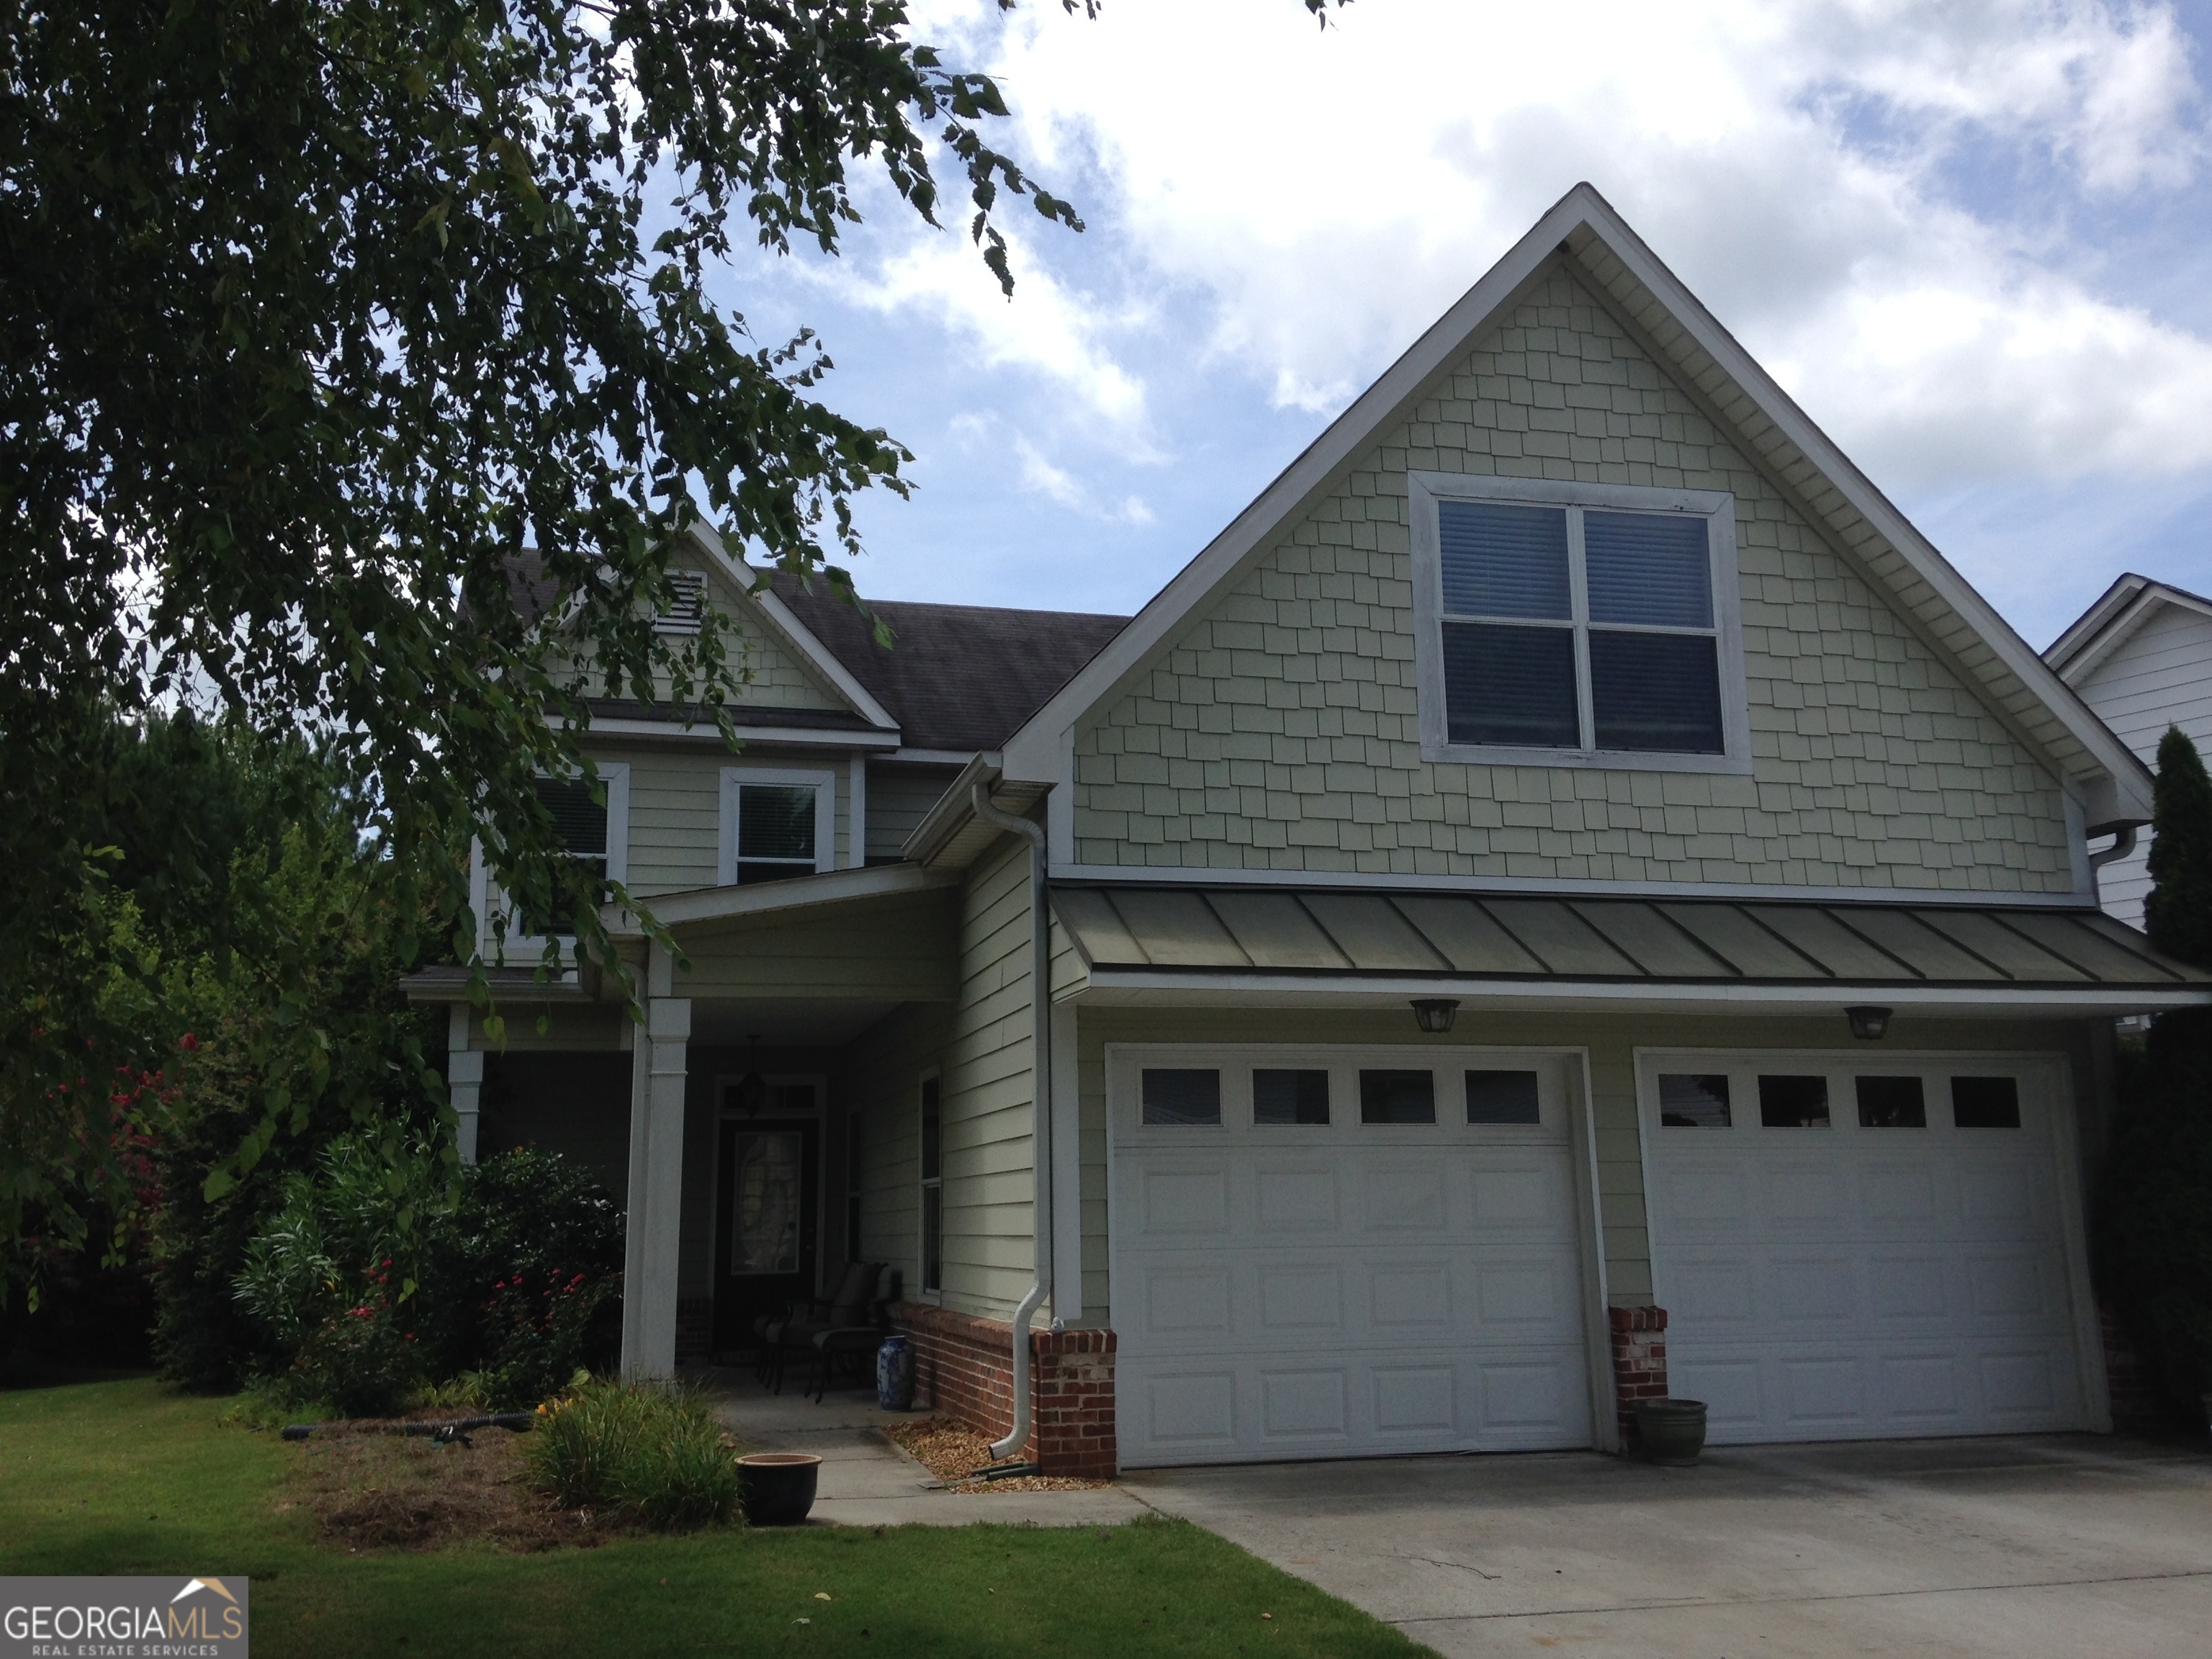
[(1867, 1023), (1434, 1014), (751, 1092)]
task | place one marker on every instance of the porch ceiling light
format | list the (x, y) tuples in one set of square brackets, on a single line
[(1434, 1014), (1867, 1023)]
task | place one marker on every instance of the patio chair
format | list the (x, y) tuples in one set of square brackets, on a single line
[(852, 1348), (795, 1331)]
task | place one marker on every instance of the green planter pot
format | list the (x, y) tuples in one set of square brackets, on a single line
[(776, 1489), (1673, 1430)]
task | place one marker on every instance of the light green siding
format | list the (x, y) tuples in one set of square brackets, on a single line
[(584, 1027), (981, 1045), (887, 1065), (1281, 733), (899, 796), (1611, 1042), (676, 807), (894, 951)]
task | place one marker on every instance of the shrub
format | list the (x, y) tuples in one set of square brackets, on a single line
[(518, 1285), (652, 1451), (512, 1288), (2154, 1224)]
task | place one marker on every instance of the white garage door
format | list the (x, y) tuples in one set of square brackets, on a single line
[(1849, 1248), (1343, 1252)]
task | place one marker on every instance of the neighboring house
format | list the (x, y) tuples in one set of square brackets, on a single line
[(1568, 896), (2141, 658)]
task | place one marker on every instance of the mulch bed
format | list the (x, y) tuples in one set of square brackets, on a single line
[(952, 1451), (384, 1491)]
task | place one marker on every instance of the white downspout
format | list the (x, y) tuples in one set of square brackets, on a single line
[(2124, 843), (1041, 1103)]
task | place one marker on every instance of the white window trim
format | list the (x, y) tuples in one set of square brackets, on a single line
[(1425, 490), (825, 785), (614, 775), (923, 1290)]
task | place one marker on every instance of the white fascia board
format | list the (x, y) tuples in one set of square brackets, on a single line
[(2085, 628), (876, 742), (1135, 875), (942, 756), (1151, 988), (2091, 653), (796, 633), (2123, 795), (1032, 754), (952, 809), (2130, 781)]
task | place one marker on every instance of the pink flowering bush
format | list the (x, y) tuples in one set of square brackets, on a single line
[(512, 1285)]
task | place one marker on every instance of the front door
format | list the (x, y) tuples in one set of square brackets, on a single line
[(765, 1229)]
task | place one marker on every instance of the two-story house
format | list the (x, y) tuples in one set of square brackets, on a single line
[(1567, 895)]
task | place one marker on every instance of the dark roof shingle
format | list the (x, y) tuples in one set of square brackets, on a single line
[(957, 677)]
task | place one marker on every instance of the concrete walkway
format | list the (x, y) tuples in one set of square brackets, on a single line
[(867, 1481), (2058, 1544)]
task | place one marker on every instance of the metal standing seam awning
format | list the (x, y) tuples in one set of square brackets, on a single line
[(1144, 943)]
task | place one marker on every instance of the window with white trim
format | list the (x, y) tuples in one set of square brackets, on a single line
[(594, 832), (1577, 624), (933, 1186), (776, 824)]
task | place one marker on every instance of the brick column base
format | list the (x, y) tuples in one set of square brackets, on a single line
[(1639, 1364), (964, 1367)]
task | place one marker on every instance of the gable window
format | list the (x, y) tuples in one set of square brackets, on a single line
[(1577, 624), (776, 824)]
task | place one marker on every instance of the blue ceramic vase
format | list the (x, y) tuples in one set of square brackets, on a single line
[(895, 1374)]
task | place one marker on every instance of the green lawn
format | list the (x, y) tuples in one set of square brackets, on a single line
[(126, 1478)]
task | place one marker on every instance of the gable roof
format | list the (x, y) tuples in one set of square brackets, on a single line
[(957, 677), (795, 635), (1796, 459), (2105, 626)]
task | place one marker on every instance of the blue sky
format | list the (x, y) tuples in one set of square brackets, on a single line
[(1974, 240)]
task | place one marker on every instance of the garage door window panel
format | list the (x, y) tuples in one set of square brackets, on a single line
[(1985, 1102), (1891, 1102), (1394, 1097), (1501, 1097), (1693, 1100), (1182, 1098), (1790, 1101), (1283, 1098)]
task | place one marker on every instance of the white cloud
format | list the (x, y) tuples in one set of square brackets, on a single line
[(978, 433), (1052, 333), (1328, 194)]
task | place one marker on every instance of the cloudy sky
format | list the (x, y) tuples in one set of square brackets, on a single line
[(1973, 240)]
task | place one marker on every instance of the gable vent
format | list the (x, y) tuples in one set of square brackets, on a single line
[(686, 606)]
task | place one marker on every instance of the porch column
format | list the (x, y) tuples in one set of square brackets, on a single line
[(656, 1177), (465, 1068)]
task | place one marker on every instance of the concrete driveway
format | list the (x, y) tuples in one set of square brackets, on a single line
[(2068, 1544)]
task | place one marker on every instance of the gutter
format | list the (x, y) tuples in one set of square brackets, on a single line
[(979, 795)]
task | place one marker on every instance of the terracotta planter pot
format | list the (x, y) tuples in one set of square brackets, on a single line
[(1673, 1430), (776, 1489)]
